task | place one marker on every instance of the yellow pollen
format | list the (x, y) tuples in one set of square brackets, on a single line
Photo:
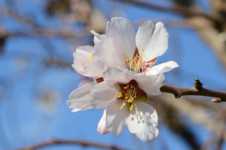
[(129, 93), (123, 105), (131, 107), (119, 94), (136, 62)]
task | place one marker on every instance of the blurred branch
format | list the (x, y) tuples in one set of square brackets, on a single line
[(211, 36), (55, 142), (220, 136), (37, 30), (172, 119), (198, 90), (203, 103), (57, 63), (218, 8), (196, 114), (172, 9), (6, 11), (40, 32), (217, 142), (220, 141)]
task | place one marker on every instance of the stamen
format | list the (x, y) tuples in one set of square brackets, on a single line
[(149, 64), (123, 105), (136, 62), (129, 93), (119, 95), (131, 107)]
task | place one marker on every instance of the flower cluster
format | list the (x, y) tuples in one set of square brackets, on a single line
[(121, 75)]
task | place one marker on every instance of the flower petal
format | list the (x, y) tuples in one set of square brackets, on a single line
[(151, 40), (144, 34), (162, 68), (84, 80), (86, 64), (117, 75), (102, 125), (97, 37), (103, 94), (80, 98), (143, 122), (91, 95), (114, 120), (118, 43), (107, 52), (150, 83), (123, 34)]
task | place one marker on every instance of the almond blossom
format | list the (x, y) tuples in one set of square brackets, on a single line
[(122, 75)]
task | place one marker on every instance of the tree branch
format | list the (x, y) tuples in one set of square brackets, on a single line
[(54, 142), (198, 90)]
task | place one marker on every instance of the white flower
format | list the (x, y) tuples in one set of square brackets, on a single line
[(122, 76)]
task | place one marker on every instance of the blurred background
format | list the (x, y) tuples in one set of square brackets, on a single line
[(38, 37)]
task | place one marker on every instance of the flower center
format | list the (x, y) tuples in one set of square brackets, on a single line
[(129, 93), (136, 62)]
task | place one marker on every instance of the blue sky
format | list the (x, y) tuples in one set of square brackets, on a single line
[(25, 120)]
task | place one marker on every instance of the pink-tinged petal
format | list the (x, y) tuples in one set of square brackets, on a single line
[(86, 64), (162, 68), (143, 122), (151, 40)]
